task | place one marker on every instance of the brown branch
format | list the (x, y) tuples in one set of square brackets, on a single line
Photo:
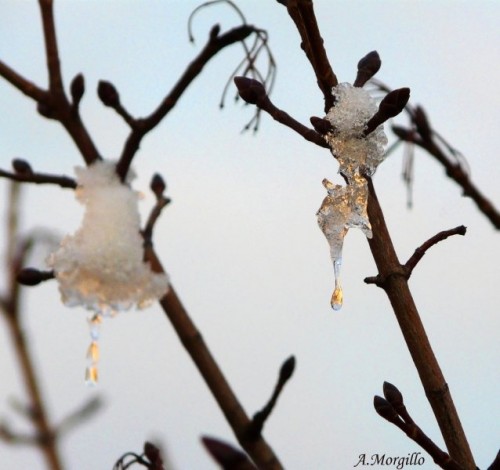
[(158, 187), (302, 14), (456, 172), (261, 416), (214, 44), (21, 83), (193, 342), (226, 455), (253, 92), (51, 50), (395, 412), (424, 136), (407, 269), (39, 178), (420, 251), (434, 384), (53, 104)]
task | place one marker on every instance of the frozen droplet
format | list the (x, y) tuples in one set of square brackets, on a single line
[(93, 352), (337, 297), (91, 375)]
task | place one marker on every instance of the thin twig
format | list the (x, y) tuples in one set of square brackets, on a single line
[(424, 136), (420, 251), (302, 14), (192, 340), (261, 416), (253, 92), (21, 83), (214, 44), (46, 438), (393, 410), (40, 178), (431, 376)]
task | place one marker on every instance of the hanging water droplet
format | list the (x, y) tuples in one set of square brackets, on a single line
[(91, 375), (337, 297), (93, 352)]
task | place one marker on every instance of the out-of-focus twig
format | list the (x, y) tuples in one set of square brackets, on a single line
[(46, 437), (423, 135)]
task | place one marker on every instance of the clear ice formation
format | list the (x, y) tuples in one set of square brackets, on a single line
[(345, 207), (100, 266)]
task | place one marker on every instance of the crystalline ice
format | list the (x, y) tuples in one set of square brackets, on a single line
[(358, 155), (101, 266), (352, 110)]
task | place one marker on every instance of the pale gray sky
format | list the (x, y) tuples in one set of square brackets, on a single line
[(240, 240)]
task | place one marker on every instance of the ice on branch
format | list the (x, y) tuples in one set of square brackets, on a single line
[(355, 152), (358, 155), (101, 266)]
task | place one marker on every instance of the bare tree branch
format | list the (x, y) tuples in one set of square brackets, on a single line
[(393, 410), (21, 83), (46, 437), (253, 92), (421, 250), (302, 14), (214, 44), (193, 342), (396, 288)]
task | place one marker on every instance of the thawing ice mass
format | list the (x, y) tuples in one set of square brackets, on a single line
[(100, 266), (358, 155)]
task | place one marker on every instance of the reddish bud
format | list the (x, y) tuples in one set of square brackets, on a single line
[(226, 456), (393, 103), (384, 408), (77, 88), (33, 277), (392, 394), (21, 167), (368, 66), (157, 185), (287, 369), (322, 126), (108, 94), (249, 89)]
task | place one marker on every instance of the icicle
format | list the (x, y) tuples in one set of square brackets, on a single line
[(333, 218), (91, 374), (338, 295)]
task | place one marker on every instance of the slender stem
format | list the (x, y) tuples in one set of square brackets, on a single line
[(46, 437), (302, 14), (192, 340), (214, 44), (51, 50), (396, 287)]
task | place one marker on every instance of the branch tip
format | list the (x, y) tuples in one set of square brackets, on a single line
[(107, 94), (368, 66), (250, 90), (22, 167), (33, 277), (77, 89)]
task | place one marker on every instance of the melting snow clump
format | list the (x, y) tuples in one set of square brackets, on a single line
[(101, 266), (358, 155), (352, 110)]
